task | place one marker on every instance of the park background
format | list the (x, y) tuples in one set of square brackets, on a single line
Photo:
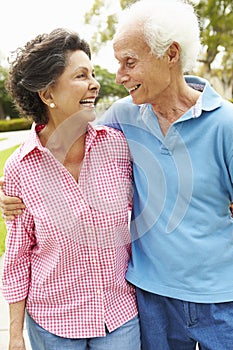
[(95, 20)]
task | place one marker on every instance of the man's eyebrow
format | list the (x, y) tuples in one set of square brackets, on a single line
[(129, 55)]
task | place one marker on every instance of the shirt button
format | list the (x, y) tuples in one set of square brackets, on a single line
[(98, 291), (94, 261)]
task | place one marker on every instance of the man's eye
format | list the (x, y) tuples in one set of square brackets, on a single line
[(130, 63)]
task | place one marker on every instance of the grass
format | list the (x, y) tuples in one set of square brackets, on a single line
[(3, 156)]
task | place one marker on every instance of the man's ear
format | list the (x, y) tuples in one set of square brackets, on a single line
[(173, 52)]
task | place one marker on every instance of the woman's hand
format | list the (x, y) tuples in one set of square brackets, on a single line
[(17, 312), (10, 206)]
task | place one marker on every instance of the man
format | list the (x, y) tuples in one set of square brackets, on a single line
[(180, 134)]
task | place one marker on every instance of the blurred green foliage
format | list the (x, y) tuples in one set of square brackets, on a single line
[(15, 124)]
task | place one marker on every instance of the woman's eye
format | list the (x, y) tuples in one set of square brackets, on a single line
[(81, 75)]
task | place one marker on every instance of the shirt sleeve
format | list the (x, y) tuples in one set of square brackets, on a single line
[(125, 163), (19, 242)]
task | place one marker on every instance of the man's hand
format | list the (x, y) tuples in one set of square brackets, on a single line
[(17, 344), (10, 206)]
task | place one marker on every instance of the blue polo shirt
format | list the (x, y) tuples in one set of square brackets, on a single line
[(182, 230)]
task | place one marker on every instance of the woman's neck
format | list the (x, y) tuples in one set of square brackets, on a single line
[(66, 144)]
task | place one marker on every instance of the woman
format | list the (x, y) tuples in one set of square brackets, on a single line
[(67, 254)]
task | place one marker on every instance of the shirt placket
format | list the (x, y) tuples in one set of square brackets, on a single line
[(96, 274)]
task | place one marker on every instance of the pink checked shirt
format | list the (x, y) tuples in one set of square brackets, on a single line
[(69, 250)]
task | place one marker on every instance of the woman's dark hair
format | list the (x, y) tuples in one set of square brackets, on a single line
[(37, 65)]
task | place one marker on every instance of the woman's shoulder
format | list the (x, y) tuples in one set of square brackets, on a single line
[(112, 139), (111, 134), (13, 161)]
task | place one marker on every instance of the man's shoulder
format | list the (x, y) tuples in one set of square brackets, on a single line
[(126, 102), (121, 111), (126, 99)]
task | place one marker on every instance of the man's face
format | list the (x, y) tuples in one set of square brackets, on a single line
[(144, 75)]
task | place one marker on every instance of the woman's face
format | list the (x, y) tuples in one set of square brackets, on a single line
[(76, 89)]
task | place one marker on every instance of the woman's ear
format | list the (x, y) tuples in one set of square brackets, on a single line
[(46, 96)]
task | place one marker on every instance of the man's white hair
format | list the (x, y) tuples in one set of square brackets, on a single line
[(163, 22)]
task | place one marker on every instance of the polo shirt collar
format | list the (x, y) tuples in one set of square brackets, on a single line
[(210, 99)]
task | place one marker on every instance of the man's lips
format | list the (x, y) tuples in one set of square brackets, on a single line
[(133, 88)]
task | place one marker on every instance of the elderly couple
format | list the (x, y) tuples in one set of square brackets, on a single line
[(165, 153)]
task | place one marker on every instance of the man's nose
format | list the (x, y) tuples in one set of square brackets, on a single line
[(121, 76)]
